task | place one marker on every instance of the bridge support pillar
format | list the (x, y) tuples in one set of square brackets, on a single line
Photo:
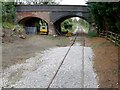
[(51, 28)]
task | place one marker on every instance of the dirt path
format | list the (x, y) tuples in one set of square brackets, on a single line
[(105, 61), (19, 51), (63, 67)]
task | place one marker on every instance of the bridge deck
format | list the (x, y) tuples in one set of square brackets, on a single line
[(50, 8)]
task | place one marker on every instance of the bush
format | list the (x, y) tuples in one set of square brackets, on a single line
[(92, 34), (8, 25), (64, 31), (19, 28)]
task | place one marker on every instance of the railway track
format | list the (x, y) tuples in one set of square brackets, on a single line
[(73, 42), (61, 67)]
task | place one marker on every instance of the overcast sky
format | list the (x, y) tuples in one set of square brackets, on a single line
[(73, 2)]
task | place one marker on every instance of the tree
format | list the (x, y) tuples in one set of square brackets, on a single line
[(106, 15), (8, 9), (8, 12), (67, 24)]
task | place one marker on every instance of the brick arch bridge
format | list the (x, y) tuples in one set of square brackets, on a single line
[(52, 14)]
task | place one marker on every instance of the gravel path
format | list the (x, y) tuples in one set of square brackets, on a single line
[(40, 71)]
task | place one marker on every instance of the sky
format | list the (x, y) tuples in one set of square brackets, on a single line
[(73, 2)]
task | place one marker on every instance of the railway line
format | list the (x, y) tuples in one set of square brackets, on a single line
[(73, 41), (60, 67)]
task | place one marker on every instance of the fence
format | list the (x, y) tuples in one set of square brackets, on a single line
[(114, 37)]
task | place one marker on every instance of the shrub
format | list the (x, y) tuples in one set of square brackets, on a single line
[(19, 28), (92, 34), (8, 25)]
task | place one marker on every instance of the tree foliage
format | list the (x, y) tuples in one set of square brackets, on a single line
[(106, 15), (67, 24), (8, 9), (84, 24), (8, 12)]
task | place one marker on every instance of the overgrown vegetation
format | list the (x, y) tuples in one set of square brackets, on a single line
[(106, 15), (69, 25), (84, 24), (8, 15), (8, 25), (92, 34), (66, 25), (8, 10)]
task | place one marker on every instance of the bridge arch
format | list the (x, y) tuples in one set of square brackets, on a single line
[(41, 15), (57, 22), (28, 17), (67, 15), (51, 13), (32, 21)]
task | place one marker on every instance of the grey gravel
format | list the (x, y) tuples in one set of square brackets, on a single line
[(37, 72)]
